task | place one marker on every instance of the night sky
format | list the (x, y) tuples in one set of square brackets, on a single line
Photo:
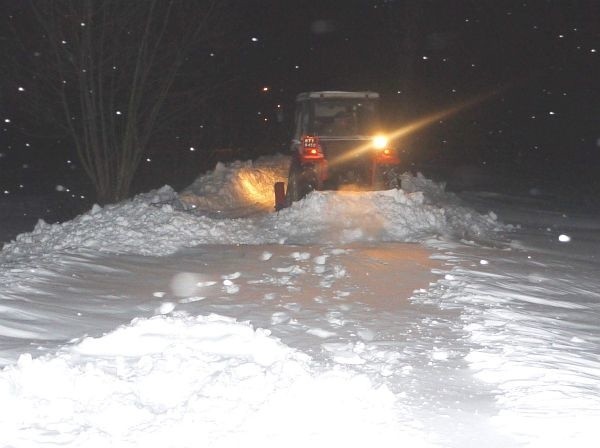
[(535, 64)]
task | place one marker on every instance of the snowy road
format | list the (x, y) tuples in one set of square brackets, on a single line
[(380, 318), (213, 279)]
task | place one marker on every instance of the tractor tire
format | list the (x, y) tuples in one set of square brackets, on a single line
[(301, 181)]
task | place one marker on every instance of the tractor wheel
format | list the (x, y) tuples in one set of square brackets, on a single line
[(301, 181)]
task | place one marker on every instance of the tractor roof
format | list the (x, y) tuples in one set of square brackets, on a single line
[(336, 94)]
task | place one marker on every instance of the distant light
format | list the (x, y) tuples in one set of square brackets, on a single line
[(279, 106), (425, 58), (192, 148), (7, 120), (27, 144), (64, 42), (59, 188), (212, 55), (6, 192), (82, 23), (564, 238), (21, 89), (148, 159), (254, 39), (118, 112), (296, 67), (560, 36), (69, 162), (265, 89), (551, 113), (593, 50)]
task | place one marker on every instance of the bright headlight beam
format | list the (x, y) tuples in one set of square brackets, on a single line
[(380, 141), (420, 123)]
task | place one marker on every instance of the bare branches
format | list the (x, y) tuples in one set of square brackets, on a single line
[(111, 66)]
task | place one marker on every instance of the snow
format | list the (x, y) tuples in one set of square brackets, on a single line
[(351, 318), (150, 224)]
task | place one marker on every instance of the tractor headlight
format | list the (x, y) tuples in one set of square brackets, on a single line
[(380, 141)]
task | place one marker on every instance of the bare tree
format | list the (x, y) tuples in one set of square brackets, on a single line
[(111, 67)]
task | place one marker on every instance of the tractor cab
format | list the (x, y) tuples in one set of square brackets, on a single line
[(335, 115)]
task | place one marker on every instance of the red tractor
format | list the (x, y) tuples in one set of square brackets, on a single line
[(337, 142)]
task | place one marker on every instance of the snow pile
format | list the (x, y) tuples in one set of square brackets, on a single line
[(150, 224), (134, 226), (183, 381), (393, 215), (239, 187)]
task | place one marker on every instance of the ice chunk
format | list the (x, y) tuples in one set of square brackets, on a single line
[(265, 256), (165, 308), (321, 333)]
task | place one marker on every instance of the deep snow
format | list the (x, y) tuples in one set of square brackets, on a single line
[(302, 327)]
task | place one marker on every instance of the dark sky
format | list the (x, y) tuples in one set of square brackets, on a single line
[(538, 61), (542, 57)]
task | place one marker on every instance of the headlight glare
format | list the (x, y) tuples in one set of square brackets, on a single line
[(380, 141)]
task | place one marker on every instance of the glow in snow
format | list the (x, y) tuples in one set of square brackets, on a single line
[(389, 318)]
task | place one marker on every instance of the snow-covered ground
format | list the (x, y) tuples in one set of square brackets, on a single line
[(407, 316)]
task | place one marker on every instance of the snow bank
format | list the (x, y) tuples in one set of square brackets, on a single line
[(184, 381), (531, 322), (393, 215), (239, 188), (220, 203)]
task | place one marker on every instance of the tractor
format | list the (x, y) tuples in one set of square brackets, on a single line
[(337, 143)]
